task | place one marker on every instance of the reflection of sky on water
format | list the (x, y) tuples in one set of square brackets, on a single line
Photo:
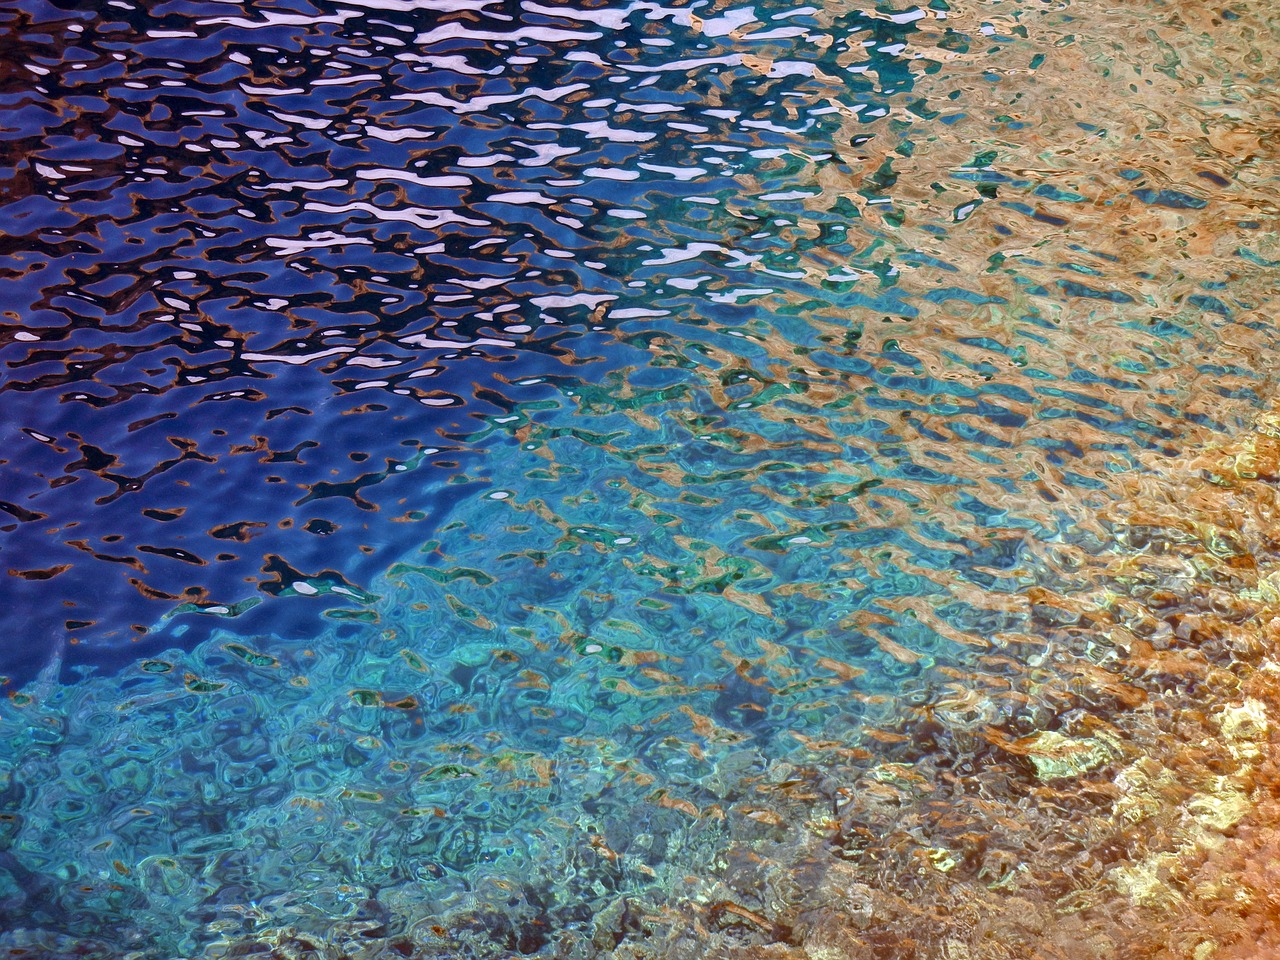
[(240, 225)]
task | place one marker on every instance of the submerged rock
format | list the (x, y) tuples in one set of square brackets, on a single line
[(1055, 756), (1245, 727), (1222, 807)]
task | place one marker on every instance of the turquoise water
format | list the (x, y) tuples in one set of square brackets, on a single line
[(791, 373)]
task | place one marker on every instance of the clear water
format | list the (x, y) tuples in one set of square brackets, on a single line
[(706, 480)]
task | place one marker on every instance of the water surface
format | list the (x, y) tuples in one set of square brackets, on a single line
[(489, 480)]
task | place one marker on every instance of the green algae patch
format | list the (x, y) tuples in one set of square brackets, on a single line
[(1055, 756), (942, 859)]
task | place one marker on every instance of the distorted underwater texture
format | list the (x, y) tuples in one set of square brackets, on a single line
[(618, 480)]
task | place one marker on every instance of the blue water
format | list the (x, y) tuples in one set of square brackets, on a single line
[(463, 460)]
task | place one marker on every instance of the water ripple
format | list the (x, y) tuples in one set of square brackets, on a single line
[(538, 450)]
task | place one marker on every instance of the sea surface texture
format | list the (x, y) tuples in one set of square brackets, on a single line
[(621, 480)]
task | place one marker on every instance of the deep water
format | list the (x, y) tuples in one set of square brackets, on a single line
[(489, 479)]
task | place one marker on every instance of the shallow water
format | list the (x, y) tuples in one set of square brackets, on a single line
[(674, 481)]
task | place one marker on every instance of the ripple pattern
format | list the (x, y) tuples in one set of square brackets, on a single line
[(620, 480)]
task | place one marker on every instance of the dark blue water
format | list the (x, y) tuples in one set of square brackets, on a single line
[(263, 261)]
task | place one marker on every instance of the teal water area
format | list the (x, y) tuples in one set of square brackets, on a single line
[(823, 428), (582, 642)]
